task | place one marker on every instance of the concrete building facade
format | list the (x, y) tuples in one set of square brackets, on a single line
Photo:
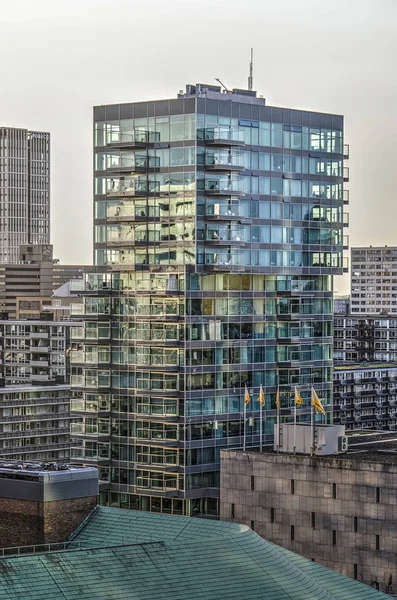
[(35, 423), (365, 396), (36, 274), (340, 511), (365, 338), (24, 190), (374, 280), (35, 351)]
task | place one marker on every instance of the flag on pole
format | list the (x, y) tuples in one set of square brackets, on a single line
[(247, 398), (261, 397), (298, 398), (278, 405), (316, 402)]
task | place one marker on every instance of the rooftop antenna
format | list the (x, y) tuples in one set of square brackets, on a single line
[(222, 84), (251, 72)]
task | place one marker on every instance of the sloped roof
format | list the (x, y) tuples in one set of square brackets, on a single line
[(144, 556)]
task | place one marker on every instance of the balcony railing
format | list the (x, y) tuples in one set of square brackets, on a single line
[(221, 135), (136, 137), (221, 186)]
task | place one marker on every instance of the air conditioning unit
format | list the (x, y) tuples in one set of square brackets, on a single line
[(342, 443)]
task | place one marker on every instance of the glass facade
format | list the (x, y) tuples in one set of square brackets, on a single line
[(218, 227)]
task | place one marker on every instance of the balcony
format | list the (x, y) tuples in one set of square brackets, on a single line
[(137, 163), (345, 173), (346, 197), (221, 136), (36, 335), (77, 309), (39, 363), (136, 138), (41, 377), (40, 349), (221, 186), (226, 211), (346, 151), (127, 186), (224, 161)]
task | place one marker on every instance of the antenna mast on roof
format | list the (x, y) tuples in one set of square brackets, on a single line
[(222, 84), (251, 75)]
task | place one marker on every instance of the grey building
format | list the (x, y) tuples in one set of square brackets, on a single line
[(374, 280), (35, 351), (365, 338), (218, 226), (35, 423), (36, 274), (341, 304), (365, 396), (24, 190), (338, 510)]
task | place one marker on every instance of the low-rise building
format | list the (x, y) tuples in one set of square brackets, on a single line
[(130, 554), (365, 395), (339, 510)]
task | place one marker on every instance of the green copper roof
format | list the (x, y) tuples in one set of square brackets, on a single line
[(174, 558)]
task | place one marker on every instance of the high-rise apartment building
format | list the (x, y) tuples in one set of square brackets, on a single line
[(374, 280), (218, 229), (24, 190)]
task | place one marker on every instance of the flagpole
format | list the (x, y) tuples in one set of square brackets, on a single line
[(295, 423), (278, 430), (312, 425), (260, 428), (245, 422)]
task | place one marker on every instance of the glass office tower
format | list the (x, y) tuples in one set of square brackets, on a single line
[(218, 227)]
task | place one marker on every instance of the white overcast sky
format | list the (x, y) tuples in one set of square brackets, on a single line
[(61, 57)]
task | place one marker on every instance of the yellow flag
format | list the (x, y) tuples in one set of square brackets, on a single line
[(298, 398), (278, 405), (261, 397), (316, 402), (247, 398)]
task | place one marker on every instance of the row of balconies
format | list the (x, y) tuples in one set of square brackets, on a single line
[(217, 135)]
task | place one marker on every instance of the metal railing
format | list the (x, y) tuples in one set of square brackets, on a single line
[(39, 548)]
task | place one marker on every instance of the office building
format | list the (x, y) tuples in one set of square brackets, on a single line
[(218, 229), (118, 553), (365, 395), (338, 510), (36, 274), (365, 338), (374, 280), (24, 190)]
